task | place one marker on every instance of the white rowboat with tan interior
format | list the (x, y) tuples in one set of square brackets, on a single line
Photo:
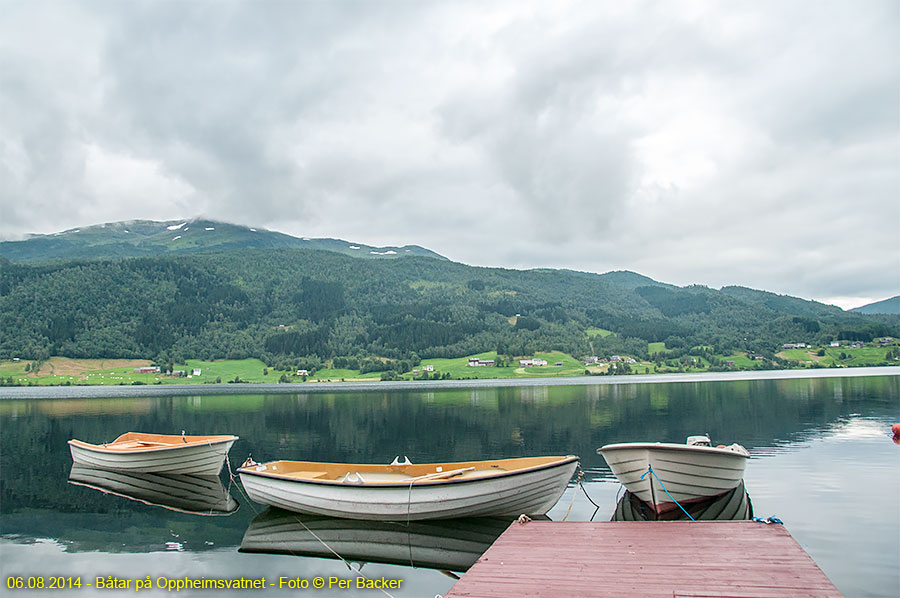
[(403, 491), (156, 453), (685, 473)]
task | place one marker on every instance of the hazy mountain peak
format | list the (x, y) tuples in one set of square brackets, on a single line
[(134, 238), (886, 306)]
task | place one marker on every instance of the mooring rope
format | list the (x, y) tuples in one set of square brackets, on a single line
[(574, 491), (650, 471)]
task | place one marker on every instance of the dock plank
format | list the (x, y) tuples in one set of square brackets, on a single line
[(726, 559)]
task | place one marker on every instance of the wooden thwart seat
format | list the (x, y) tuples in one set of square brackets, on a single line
[(306, 475)]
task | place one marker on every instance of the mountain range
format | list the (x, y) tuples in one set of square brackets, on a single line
[(142, 238), (205, 289)]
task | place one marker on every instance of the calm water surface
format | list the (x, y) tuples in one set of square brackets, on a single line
[(822, 461)]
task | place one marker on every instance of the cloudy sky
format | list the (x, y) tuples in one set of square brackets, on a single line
[(753, 143)]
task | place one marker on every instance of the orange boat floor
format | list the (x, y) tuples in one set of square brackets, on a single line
[(733, 559)]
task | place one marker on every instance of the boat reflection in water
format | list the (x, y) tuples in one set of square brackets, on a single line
[(734, 505), (193, 494), (446, 544)]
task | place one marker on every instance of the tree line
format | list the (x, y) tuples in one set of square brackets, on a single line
[(296, 306)]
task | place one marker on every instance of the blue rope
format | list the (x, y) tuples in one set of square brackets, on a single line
[(769, 520), (650, 470)]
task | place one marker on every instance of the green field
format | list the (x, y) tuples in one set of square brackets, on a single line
[(64, 371), (861, 356), (61, 370), (592, 332), (740, 360)]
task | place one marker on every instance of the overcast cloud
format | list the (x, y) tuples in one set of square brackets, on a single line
[(717, 143)]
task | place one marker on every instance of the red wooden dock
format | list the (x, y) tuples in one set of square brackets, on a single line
[(734, 559)]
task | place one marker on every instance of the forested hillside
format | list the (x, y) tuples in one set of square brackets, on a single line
[(271, 303)]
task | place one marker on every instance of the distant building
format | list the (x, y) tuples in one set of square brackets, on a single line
[(179, 373), (428, 368), (195, 372), (533, 362), (834, 344), (794, 346), (615, 358), (558, 363), (147, 370), (303, 372), (475, 362), (591, 359)]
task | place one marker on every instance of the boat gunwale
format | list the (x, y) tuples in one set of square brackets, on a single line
[(211, 440), (670, 447), (393, 485)]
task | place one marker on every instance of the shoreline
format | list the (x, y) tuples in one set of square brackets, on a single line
[(173, 390)]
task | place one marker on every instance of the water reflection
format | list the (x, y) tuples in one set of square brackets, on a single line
[(732, 506), (813, 445), (447, 545), (192, 494)]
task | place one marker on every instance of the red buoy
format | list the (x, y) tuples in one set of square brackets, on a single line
[(896, 430)]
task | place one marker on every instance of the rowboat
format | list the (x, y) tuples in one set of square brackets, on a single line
[(192, 494), (407, 492), (662, 473), (446, 544), (734, 505), (156, 453)]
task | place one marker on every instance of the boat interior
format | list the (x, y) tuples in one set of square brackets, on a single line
[(131, 441), (399, 473)]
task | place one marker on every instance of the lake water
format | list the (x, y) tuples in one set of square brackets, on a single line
[(822, 461)]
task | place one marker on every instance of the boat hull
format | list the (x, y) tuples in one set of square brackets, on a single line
[(681, 473), (197, 458), (530, 492)]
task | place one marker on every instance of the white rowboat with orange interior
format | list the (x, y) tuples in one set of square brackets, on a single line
[(156, 453), (407, 492)]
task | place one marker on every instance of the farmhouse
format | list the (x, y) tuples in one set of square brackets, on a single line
[(475, 362), (147, 370), (533, 362)]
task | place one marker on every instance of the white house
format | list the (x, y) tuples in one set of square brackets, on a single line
[(475, 362), (534, 361)]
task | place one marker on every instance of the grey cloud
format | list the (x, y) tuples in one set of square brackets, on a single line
[(741, 143)]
